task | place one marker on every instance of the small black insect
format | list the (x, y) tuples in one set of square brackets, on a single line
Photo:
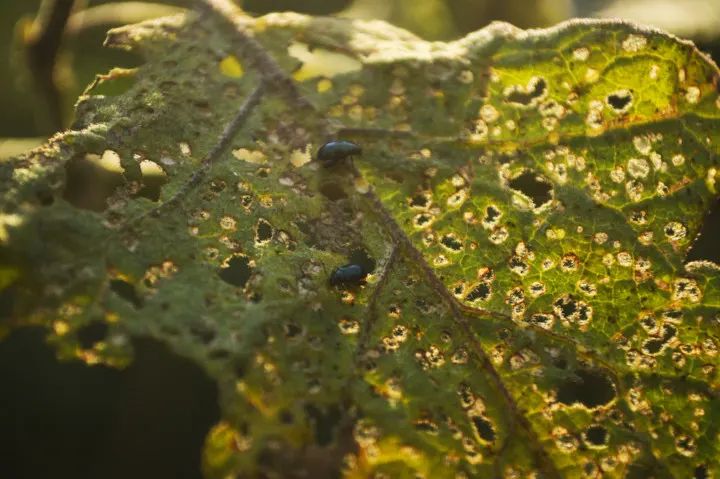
[(334, 151), (348, 274)]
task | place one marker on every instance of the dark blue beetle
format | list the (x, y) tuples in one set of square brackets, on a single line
[(335, 151), (349, 274)]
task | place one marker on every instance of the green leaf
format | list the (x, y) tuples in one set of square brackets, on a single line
[(524, 199)]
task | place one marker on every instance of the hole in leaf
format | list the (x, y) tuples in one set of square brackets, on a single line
[(686, 445), (127, 292), (515, 296), (237, 272), (420, 201), (153, 179), (535, 89), (362, 258), (422, 220), (518, 265), (147, 420), (704, 247), (484, 428), (480, 292), (332, 191), (620, 101), (639, 217), (596, 436), (426, 425), (535, 187), (669, 332), (263, 231), (649, 323), (675, 231), (568, 308), (589, 387), (492, 214), (316, 61), (542, 320), (653, 346), (451, 242), (569, 262), (701, 472), (292, 330), (92, 333), (246, 201), (673, 315), (467, 398), (537, 288), (91, 180)]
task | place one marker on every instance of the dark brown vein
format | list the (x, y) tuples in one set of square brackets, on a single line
[(271, 71), (42, 47), (541, 458), (227, 13), (273, 77), (579, 348), (372, 306)]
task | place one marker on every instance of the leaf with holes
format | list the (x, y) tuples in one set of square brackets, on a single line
[(494, 285)]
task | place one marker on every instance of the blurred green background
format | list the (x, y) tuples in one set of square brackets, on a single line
[(37, 94)]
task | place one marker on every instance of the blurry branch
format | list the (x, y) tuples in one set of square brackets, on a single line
[(227, 12), (118, 13), (42, 45), (55, 21)]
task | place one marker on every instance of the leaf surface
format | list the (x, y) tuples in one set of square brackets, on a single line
[(524, 203)]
